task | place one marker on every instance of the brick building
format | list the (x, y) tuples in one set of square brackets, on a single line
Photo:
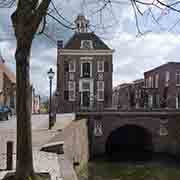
[(129, 95), (138, 86), (163, 86), (7, 85), (84, 71), (121, 96)]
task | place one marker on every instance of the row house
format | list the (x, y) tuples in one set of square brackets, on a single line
[(129, 95), (84, 71), (162, 86), (122, 96), (138, 90)]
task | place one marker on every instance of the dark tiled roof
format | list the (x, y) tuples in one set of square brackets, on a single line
[(75, 41), (163, 65)]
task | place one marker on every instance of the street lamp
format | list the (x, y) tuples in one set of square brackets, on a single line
[(50, 76)]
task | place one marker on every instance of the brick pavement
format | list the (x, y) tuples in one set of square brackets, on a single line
[(43, 162)]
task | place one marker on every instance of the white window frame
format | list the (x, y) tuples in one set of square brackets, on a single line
[(177, 74), (71, 76), (167, 78), (81, 81), (98, 66), (100, 90), (150, 100), (72, 88), (74, 66), (81, 64), (177, 102), (157, 81), (100, 87), (149, 82)]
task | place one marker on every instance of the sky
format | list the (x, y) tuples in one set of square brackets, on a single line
[(116, 25)]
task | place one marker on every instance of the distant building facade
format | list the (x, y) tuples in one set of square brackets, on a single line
[(138, 88), (84, 71), (36, 99), (7, 86), (121, 96), (163, 86), (129, 95), (160, 88)]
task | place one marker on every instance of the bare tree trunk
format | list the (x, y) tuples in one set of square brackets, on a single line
[(24, 163)]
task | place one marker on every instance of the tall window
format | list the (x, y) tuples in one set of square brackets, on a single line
[(146, 82), (150, 82), (66, 66), (156, 80), (167, 78), (100, 66), (86, 69), (178, 100), (66, 95), (72, 90), (72, 66), (150, 101), (100, 90), (178, 78)]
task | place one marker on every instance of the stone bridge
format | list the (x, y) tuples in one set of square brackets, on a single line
[(112, 132)]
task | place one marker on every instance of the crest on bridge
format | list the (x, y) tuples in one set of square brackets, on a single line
[(98, 128)]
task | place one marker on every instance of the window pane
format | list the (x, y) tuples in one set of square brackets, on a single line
[(71, 85), (86, 69), (66, 95), (71, 95), (177, 77), (86, 86), (100, 65), (66, 67), (100, 95), (100, 85), (72, 66)]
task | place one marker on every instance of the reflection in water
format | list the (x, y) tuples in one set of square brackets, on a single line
[(152, 170)]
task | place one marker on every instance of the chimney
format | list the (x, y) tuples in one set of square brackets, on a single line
[(60, 44)]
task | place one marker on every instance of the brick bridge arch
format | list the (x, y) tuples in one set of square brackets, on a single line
[(129, 141), (164, 128)]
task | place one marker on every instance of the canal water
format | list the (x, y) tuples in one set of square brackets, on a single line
[(156, 169)]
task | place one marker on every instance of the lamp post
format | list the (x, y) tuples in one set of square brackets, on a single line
[(50, 76)]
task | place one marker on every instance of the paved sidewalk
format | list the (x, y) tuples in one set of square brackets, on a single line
[(43, 162), (39, 138)]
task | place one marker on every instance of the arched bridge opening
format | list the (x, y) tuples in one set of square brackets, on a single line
[(129, 142)]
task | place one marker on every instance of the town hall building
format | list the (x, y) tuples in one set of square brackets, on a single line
[(84, 71)]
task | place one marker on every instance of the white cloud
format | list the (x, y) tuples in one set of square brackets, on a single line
[(135, 55)]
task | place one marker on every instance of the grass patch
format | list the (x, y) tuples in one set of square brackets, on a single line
[(118, 171)]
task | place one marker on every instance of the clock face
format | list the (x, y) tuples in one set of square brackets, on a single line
[(86, 44)]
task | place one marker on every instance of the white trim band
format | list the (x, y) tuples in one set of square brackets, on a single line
[(84, 52)]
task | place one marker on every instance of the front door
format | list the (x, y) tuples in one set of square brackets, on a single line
[(86, 99)]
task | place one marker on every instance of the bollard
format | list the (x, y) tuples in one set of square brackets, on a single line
[(9, 155)]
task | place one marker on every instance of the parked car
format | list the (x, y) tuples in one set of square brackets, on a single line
[(5, 111)]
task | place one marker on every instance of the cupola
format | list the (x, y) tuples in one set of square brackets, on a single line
[(81, 24)]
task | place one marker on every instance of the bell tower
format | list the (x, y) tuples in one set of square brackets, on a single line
[(81, 24)]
